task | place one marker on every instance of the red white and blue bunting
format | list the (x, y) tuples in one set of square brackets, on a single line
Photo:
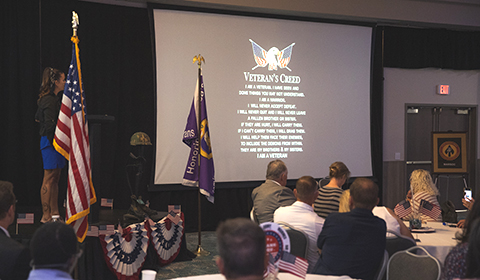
[(166, 238), (125, 250)]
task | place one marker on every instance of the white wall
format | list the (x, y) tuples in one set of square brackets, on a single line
[(419, 86)]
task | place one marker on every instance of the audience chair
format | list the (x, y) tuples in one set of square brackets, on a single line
[(383, 267), (298, 240), (323, 182), (410, 265), (398, 243), (253, 216)]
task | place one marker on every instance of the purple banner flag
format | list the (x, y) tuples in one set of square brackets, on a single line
[(199, 173)]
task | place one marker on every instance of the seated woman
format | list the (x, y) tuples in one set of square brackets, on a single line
[(329, 195), (394, 223), (424, 204), (468, 203), (473, 254), (455, 265)]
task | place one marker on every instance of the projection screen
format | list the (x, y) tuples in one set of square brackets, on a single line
[(298, 91)]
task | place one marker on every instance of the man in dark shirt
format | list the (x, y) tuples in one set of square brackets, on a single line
[(14, 257), (242, 250), (353, 243)]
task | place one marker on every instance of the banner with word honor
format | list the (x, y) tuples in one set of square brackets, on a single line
[(71, 140), (202, 176)]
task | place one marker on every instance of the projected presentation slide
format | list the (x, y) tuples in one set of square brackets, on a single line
[(275, 89)]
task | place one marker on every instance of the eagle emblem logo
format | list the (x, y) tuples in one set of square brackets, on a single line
[(274, 58)]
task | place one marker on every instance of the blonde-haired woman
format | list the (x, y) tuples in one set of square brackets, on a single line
[(424, 204)]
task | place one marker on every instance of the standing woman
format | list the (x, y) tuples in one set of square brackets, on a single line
[(49, 101), (328, 199)]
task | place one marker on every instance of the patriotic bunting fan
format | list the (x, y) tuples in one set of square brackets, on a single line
[(125, 250), (166, 237)]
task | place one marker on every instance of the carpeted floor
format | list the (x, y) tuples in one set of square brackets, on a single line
[(200, 265)]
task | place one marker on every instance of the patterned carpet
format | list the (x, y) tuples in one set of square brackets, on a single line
[(200, 265)]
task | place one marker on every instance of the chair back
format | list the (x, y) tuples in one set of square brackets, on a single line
[(253, 216), (410, 265), (397, 243), (383, 267), (298, 240), (323, 182)]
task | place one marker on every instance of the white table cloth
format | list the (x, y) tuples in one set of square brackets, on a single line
[(281, 276), (437, 243)]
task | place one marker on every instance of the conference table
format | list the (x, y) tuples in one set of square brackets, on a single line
[(281, 276), (437, 243)]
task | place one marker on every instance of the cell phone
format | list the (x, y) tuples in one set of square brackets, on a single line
[(468, 194)]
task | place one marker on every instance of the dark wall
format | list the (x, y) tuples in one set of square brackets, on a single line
[(117, 70), (116, 61)]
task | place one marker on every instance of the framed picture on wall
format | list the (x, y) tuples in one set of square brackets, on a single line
[(449, 152)]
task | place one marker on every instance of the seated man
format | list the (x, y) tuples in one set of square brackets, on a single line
[(353, 243), (273, 193), (55, 252), (242, 249), (301, 215), (14, 257)]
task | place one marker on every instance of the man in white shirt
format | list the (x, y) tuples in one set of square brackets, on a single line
[(301, 216)]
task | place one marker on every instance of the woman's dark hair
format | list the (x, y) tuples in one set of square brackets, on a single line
[(472, 215), (50, 75), (473, 254)]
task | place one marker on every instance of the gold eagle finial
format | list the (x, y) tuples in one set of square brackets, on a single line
[(75, 23), (199, 59)]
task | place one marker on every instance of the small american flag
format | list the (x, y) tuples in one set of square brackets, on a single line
[(431, 210), (92, 231), (174, 217), (271, 268), (71, 140), (106, 229), (294, 265), (25, 218), (403, 209), (175, 208), (107, 202)]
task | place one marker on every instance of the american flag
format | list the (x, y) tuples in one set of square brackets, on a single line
[(107, 202), (431, 210), (175, 208), (259, 54), (106, 229), (71, 140), (25, 218), (174, 217), (271, 268), (284, 56), (92, 231), (294, 265), (403, 209)]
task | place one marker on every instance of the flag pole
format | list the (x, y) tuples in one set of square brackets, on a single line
[(200, 250), (75, 23)]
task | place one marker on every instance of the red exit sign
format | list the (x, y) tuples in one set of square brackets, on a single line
[(443, 89)]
